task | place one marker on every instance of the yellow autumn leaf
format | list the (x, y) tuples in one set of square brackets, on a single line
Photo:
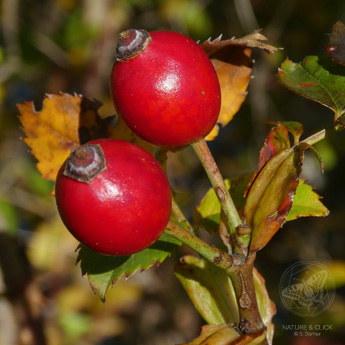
[(53, 132), (65, 122), (232, 61)]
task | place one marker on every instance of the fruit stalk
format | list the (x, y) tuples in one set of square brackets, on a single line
[(240, 273), (204, 154), (178, 214)]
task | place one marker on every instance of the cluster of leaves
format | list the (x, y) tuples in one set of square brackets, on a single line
[(265, 199)]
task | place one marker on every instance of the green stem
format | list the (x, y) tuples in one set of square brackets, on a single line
[(324, 133), (180, 217), (202, 151), (315, 138), (215, 255)]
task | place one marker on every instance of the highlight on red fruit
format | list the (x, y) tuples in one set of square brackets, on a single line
[(164, 87), (113, 196)]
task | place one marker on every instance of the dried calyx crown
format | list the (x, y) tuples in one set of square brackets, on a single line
[(131, 43), (85, 163)]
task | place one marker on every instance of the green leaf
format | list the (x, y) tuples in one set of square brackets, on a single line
[(270, 192), (336, 269), (8, 216), (270, 196), (313, 81), (295, 128), (216, 335), (306, 203), (276, 141), (267, 308), (210, 289), (75, 324), (103, 271), (226, 335), (207, 214)]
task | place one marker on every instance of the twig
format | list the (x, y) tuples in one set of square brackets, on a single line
[(215, 255), (202, 151)]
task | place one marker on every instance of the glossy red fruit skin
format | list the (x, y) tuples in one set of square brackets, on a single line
[(124, 209), (169, 95)]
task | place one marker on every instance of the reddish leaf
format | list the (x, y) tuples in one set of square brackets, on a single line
[(276, 141), (295, 128), (270, 196)]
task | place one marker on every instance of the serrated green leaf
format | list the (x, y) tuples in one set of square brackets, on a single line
[(313, 81), (306, 203), (103, 271), (207, 214), (210, 289)]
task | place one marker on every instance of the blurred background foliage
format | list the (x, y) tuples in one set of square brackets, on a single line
[(50, 46)]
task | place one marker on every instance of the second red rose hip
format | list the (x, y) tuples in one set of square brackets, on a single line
[(113, 196)]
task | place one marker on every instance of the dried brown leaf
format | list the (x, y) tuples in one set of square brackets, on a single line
[(232, 61), (336, 44)]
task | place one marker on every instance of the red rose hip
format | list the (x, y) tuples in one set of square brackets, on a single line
[(113, 196), (164, 87)]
